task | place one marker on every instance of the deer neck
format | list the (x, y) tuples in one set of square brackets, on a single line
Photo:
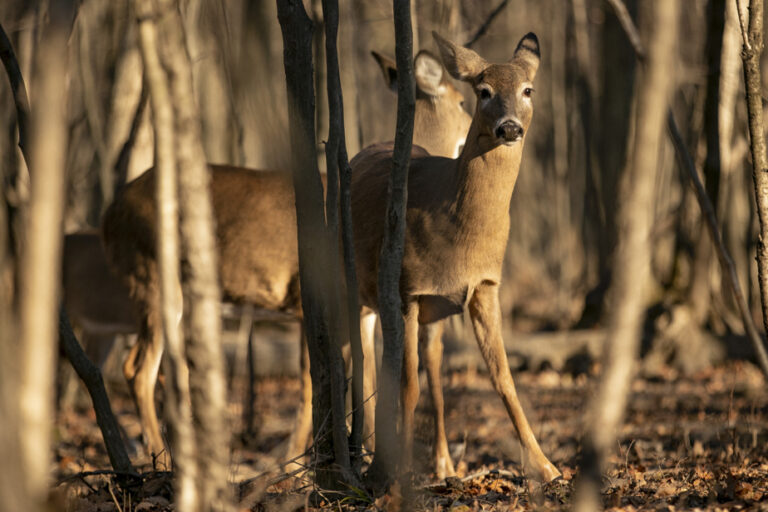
[(486, 176)]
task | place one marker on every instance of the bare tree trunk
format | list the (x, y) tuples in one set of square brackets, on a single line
[(391, 257), (340, 173), (632, 261), (178, 407), (317, 293), (39, 265), (751, 52), (700, 292), (200, 282)]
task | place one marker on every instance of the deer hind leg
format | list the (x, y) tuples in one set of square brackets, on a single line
[(409, 392), (430, 337), (367, 333), (486, 320), (297, 443), (140, 369)]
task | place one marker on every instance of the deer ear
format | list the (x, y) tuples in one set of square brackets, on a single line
[(462, 63), (527, 52), (388, 68), (428, 72)]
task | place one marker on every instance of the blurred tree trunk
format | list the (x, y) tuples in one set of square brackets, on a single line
[(13, 492), (318, 295), (751, 53), (182, 149), (178, 401), (200, 281), (700, 291), (631, 270), (40, 257), (618, 63), (390, 260), (211, 89)]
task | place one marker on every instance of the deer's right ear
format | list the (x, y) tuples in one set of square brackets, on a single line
[(462, 63), (428, 72), (389, 68)]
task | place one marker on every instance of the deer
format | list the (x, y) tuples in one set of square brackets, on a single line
[(257, 245), (457, 222)]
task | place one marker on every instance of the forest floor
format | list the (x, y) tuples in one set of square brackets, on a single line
[(697, 442)]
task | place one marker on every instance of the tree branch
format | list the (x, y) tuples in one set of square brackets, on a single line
[(684, 157)]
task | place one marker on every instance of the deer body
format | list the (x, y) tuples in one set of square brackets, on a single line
[(258, 254), (457, 222)]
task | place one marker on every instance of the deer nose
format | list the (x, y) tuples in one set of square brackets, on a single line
[(510, 131)]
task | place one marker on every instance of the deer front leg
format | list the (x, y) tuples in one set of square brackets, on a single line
[(302, 428), (409, 391), (367, 333), (140, 369), (431, 338), (486, 320)]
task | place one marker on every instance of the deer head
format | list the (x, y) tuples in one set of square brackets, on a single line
[(504, 91)]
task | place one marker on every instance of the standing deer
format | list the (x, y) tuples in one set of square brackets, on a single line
[(257, 244), (457, 223)]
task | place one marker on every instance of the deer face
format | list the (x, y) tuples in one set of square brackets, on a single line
[(504, 91), (440, 121)]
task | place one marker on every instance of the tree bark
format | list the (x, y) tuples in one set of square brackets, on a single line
[(40, 258), (633, 256), (751, 52), (340, 202), (178, 403), (200, 282), (391, 257), (332, 452)]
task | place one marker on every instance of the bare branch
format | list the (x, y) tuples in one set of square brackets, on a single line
[(708, 211), (486, 24)]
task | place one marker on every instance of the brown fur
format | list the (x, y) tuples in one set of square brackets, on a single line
[(457, 223), (256, 237)]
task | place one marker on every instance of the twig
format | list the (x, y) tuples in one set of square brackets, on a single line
[(726, 262), (114, 498), (19, 89), (743, 25), (629, 27), (686, 162), (486, 24)]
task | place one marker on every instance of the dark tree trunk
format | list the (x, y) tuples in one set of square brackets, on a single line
[(391, 258), (320, 315), (753, 49)]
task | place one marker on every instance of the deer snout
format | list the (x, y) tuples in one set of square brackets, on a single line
[(509, 131)]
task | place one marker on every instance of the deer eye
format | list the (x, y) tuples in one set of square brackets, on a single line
[(484, 93), (527, 92)]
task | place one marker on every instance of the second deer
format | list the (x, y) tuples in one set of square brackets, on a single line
[(256, 235)]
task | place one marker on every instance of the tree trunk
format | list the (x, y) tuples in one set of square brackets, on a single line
[(320, 323), (391, 257), (631, 270), (340, 202), (178, 407), (41, 253), (751, 52)]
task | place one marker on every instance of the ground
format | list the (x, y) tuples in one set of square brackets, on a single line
[(697, 442)]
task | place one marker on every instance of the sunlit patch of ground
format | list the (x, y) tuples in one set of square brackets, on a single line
[(699, 442)]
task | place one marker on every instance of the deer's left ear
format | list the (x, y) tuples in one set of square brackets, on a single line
[(527, 52)]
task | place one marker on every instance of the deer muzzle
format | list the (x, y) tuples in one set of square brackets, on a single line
[(509, 131)]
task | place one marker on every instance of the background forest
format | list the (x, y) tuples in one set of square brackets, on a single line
[(560, 261)]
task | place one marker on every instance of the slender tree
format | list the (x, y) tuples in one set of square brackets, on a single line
[(391, 258), (39, 264), (631, 271), (752, 50), (319, 296), (178, 407)]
